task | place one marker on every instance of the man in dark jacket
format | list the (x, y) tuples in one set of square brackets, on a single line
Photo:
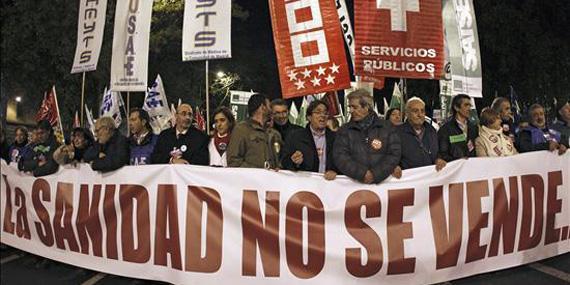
[(111, 151), (310, 149), (562, 122), (419, 138), (39, 159), (17, 148), (457, 136), (538, 136), (182, 144), (366, 149), (280, 114), (142, 141)]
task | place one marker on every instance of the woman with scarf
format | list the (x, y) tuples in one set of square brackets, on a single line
[(492, 141), (224, 122)]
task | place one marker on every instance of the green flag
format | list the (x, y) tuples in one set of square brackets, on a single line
[(396, 101)]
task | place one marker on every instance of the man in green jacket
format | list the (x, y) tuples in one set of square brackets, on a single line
[(253, 143)]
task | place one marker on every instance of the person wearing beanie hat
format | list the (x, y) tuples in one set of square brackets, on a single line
[(39, 160), (562, 121), (253, 143)]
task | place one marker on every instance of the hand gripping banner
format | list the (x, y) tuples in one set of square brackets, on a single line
[(309, 46), (399, 38)]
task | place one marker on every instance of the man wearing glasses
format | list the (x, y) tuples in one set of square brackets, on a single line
[(310, 149), (183, 143), (111, 150), (280, 115)]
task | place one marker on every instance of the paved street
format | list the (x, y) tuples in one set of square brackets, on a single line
[(18, 267)]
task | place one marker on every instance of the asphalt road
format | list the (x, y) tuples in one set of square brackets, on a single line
[(19, 267)]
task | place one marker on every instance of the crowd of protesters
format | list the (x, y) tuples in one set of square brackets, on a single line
[(367, 148)]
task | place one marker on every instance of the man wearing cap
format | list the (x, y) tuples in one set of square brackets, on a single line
[(366, 149), (39, 160), (253, 143), (111, 151), (183, 143)]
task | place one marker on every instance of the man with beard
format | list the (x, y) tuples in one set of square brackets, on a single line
[(111, 151), (502, 106), (310, 149), (253, 143), (457, 136), (39, 160), (142, 141), (183, 143), (538, 136), (366, 148), (280, 116), (562, 122)]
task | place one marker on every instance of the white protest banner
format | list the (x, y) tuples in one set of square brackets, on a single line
[(90, 29), (206, 31), (129, 61), (156, 105), (201, 225), (462, 42)]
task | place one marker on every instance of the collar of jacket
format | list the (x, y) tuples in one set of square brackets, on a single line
[(407, 127), (145, 141), (375, 123), (255, 125)]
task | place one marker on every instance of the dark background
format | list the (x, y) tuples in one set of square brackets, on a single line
[(524, 43)]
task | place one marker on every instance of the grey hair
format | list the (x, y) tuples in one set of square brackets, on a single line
[(364, 98), (496, 105), (414, 99), (107, 122)]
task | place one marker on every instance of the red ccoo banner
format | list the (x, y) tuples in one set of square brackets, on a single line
[(309, 47), (399, 38)]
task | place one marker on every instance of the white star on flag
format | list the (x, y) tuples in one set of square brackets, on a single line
[(321, 70), (300, 84), (334, 68), (316, 81), (330, 79), (306, 73), (292, 75)]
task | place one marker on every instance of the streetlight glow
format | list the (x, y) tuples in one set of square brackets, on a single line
[(220, 74), (18, 99)]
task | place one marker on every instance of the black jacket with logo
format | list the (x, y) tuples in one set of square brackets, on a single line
[(193, 144), (376, 148), (451, 147)]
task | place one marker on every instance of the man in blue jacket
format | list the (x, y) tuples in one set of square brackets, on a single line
[(142, 140)]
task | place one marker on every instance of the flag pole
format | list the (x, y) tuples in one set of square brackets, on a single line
[(128, 110), (207, 102), (82, 97), (58, 115)]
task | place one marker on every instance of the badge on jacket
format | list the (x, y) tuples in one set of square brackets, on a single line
[(376, 144)]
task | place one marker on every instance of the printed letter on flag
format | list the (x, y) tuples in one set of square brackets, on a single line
[(309, 47), (399, 38), (206, 32), (129, 63), (111, 106), (90, 28), (463, 44), (156, 105)]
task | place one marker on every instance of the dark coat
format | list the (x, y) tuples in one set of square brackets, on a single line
[(451, 145), (525, 139), (564, 130), (38, 152), (194, 142), (416, 153), (116, 152), (376, 148), (286, 129), (302, 140)]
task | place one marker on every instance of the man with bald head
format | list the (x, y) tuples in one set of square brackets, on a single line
[(182, 144), (418, 138)]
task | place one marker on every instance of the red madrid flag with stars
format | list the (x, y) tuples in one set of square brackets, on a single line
[(309, 47), (399, 38)]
